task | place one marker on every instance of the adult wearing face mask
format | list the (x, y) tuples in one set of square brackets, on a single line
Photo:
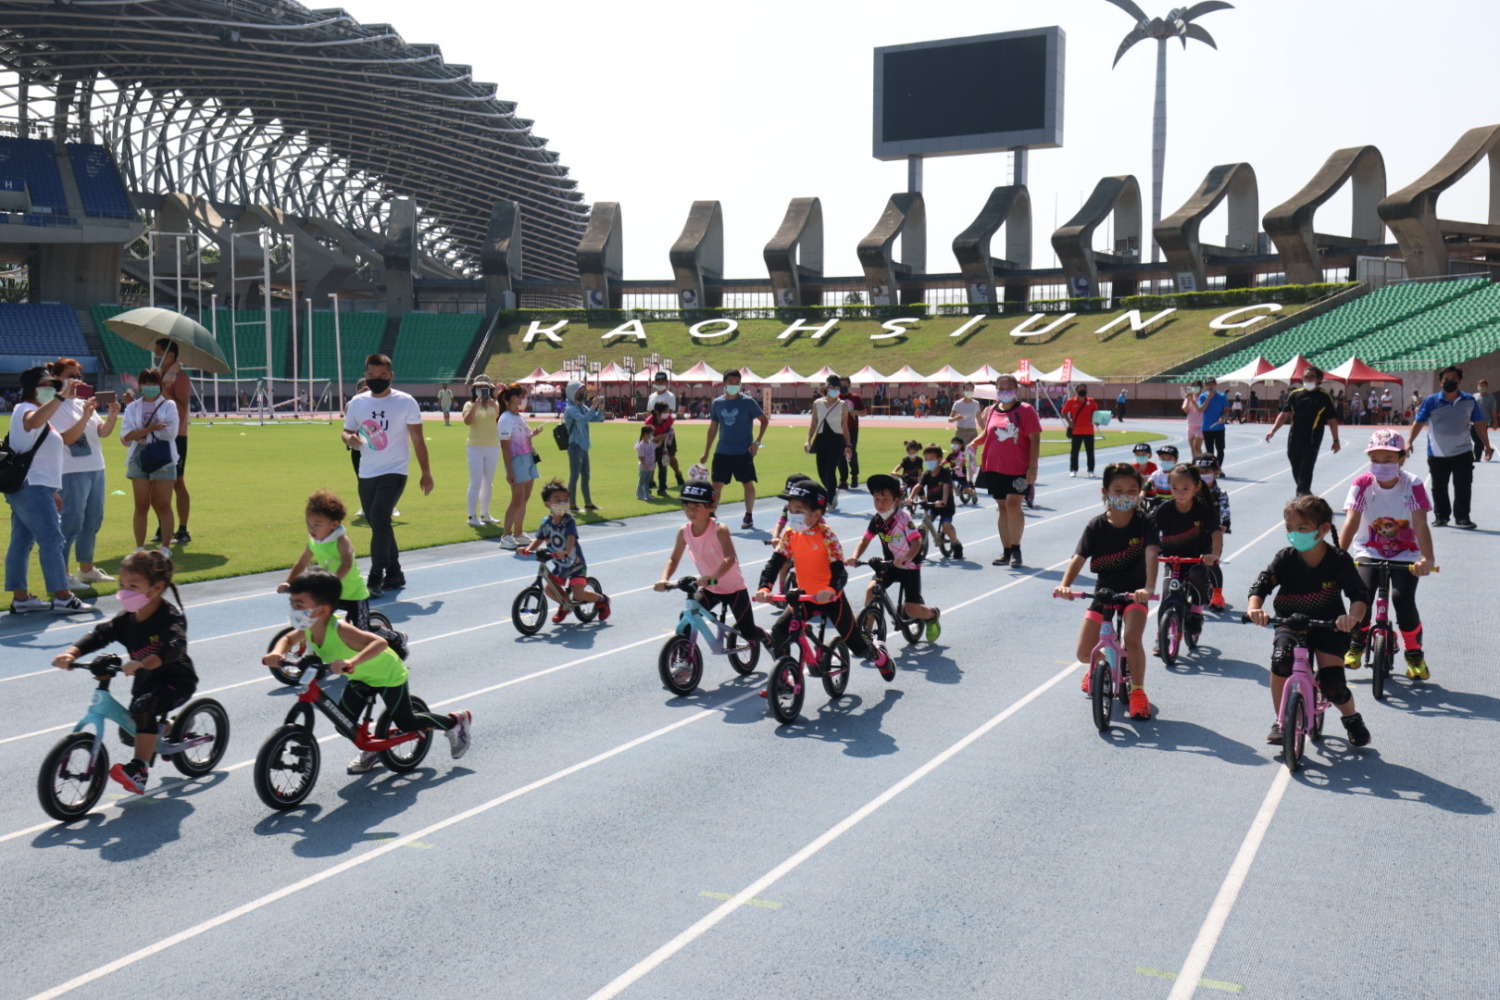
[(481, 415), (965, 416), (1452, 414), (849, 468), (828, 436), (1078, 414), (661, 394), (576, 418), (1491, 414), (735, 456), (1214, 405), (149, 423), (83, 482), (1010, 447), (36, 506), (1309, 409)]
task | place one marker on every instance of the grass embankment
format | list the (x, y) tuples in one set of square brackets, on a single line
[(249, 484), (927, 346)]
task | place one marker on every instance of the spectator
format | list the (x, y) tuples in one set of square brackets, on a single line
[(34, 515), (83, 482), (667, 453), (148, 420), (849, 469), (1194, 411), (1489, 411), (1213, 404), (1254, 407), (1237, 408), (1010, 447), (1387, 403), (1310, 408), (828, 437), (965, 416), (660, 421), (177, 387), (445, 402), (1078, 414), (1120, 405), (576, 418), (1356, 408), (1453, 416), (520, 458), (385, 424), (736, 451), (1372, 405), (482, 416)]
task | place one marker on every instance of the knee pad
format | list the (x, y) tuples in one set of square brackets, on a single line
[(1336, 691), (146, 723), (1282, 658)]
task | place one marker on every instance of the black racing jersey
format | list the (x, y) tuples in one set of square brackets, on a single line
[(163, 635), (930, 487), (1190, 534), (1315, 591), (1117, 556), (1310, 410)]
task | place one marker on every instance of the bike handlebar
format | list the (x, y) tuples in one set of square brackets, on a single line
[(1109, 597), (106, 665), (1297, 623), (1179, 560), (686, 584), (1392, 564)]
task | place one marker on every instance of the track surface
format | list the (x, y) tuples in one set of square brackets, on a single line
[(961, 832)]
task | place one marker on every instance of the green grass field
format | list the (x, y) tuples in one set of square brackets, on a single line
[(249, 484)]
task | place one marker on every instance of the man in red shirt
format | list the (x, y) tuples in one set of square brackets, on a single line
[(1078, 414)]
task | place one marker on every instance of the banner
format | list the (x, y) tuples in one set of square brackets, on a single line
[(1067, 370), (1023, 372)]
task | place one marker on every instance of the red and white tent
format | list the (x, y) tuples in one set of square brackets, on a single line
[(866, 376), (748, 377), (821, 375), (948, 375), (906, 376), (1249, 373), (1355, 370), (699, 374), (785, 377), (612, 373), (537, 376), (1292, 372)]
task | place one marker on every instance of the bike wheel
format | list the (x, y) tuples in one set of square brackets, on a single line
[(529, 610), (911, 628), (588, 612), (944, 543), (1169, 636), (1317, 727), (784, 690), (298, 650), (286, 768), (1380, 661), (871, 622), (406, 756), (680, 665), (744, 653), (836, 669), (1293, 732), (1101, 693), (206, 720), (379, 620), (67, 785)]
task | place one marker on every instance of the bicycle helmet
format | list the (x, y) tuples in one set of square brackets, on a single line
[(809, 493), (1167, 451), (1141, 448), (695, 491), (796, 478), (1207, 462), (883, 483)]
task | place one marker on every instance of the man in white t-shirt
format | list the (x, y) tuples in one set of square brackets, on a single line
[(661, 394), (965, 416), (445, 402), (385, 426)]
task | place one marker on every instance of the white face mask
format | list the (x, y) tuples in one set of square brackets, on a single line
[(559, 509), (300, 619), (796, 522), (1309, 386), (968, 394)]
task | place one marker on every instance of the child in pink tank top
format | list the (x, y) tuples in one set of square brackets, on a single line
[(720, 580)]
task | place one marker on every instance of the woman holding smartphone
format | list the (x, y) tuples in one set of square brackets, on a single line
[(1194, 413), (83, 483)]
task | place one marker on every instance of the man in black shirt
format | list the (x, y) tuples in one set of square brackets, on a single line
[(1310, 408)]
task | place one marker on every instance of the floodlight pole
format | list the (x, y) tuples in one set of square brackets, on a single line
[(213, 306), (291, 304), (266, 398), (311, 405), (338, 349)]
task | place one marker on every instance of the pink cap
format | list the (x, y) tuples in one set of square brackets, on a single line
[(1386, 439)]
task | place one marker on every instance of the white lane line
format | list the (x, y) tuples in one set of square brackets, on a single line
[(386, 847), (651, 962), (1218, 913)]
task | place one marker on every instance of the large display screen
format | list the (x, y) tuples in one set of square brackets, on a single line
[(970, 95)]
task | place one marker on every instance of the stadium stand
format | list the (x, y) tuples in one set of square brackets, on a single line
[(431, 346), (244, 344), (45, 331), (360, 333), (99, 183), (121, 355), (32, 161)]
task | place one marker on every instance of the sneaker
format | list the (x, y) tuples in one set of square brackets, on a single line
[(1416, 665), (166, 551), (395, 513), (475, 522), (373, 583), (74, 583), (509, 542), (1440, 522), (575, 510), (590, 507), (1086, 685), (1194, 625), (1354, 658), (1140, 705), (523, 539), (661, 493), (1003, 559), (1073, 474), (131, 775), (560, 615), (95, 575), (883, 662), (747, 523), (458, 736), (603, 605), (1015, 557), (643, 496), (1354, 726), (75, 606), (1274, 737), (181, 536), (1465, 523), (395, 581), (26, 605), (364, 763), (933, 628), (489, 520), (156, 538)]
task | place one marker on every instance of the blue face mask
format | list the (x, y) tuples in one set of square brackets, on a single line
[(930, 465), (1005, 395), (833, 390), (45, 395), (150, 391), (1303, 541), (731, 390)]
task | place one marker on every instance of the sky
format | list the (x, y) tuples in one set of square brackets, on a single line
[(659, 103)]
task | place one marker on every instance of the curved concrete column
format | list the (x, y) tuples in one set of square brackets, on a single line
[(500, 257), (1074, 241), (698, 255), (400, 254), (1008, 206), (1412, 212), (1290, 224), (796, 252), (1178, 236), (601, 257), (905, 216)]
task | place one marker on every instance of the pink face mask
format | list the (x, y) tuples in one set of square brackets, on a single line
[(133, 600), (1385, 471)]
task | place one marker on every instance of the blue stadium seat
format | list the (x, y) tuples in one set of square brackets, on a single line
[(99, 184), (32, 161), (49, 331)]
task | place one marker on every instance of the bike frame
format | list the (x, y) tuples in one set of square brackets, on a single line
[(714, 630), (1109, 645), (798, 629), (1303, 679), (311, 695), (105, 708), (881, 596)]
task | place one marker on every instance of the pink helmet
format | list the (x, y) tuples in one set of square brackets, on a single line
[(1386, 439)]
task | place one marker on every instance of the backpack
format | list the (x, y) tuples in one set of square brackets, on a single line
[(14, 465), (560, 435)]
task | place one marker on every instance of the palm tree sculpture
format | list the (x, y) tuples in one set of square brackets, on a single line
[(1177, 24)]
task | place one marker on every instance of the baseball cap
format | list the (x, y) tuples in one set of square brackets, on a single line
[(809, 493), (883, 483), (696, 491), (796, 478), (1141, 448), (1386, 439), (1167, 449), (1206, 462)]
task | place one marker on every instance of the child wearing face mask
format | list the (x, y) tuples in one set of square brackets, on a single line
[(960, 462), (1208, 472), (1312, 577), (901, 543), (373, 667), (558, 534), (935, 489), (1141, 459), (154, 633), (327, 546), (1385, 518), (910, 467), (1121, 547), (1188, 524)]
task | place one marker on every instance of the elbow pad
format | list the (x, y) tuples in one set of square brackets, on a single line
[(838, 576)]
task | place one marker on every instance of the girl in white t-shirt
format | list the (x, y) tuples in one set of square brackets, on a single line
[(1386, 519), (520, 460), (83, 482)]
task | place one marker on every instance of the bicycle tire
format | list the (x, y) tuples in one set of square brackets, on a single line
[(286, 767), (377, 619), (912, 629), (1317, 727), (836, 669), (65, 786), (680, 665), (406, 756), (529, 610), (588, 612), (1168, 635), (200, 717), (871, 622), (1380, 662), (944, 543), (784, 690), (1101, 692), (299, 650), (744, 653), (1293, 732)]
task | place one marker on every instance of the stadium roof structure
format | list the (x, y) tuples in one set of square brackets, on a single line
[(268, 102)]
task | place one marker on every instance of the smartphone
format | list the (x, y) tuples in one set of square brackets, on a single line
[(81, 391), (106, 397)]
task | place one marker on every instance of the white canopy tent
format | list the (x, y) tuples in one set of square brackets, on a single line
[(866, 376), (985, 373), (785, 377), (700, 374), (906, 376), (1292, 372), (947, 375), (1055, 377)]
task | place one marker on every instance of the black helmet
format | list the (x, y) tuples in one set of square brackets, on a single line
[(809, 493), (1141, 448), (1167, 451), (796, 478), (883, 483), (1206, 462), (697, 491)]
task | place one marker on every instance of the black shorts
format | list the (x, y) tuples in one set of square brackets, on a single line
[(999, 485), (739, 468), (910, 579), (181, 455), (154, 695), (1319, 640), (670, 448)]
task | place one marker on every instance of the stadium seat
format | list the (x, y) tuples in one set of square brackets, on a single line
[(431, 346), (46, 331), (99, 183)]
